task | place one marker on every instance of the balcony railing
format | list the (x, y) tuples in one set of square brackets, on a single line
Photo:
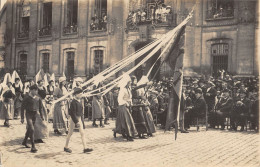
[(220, 14), (98, 24), (45, 31), (24, 33), (157, 17), (70, 29)]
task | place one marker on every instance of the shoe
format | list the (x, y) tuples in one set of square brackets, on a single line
[(34, 150), (222, 128), (56, 131), (142, 137), (106, 123), (87, 150), (150, 134), (184, 131), (67, 150), (67, 132), (38, 141), (124, 136), (94, 125), (102, 126), (6, 124), (130, 139), (242, 129), (25, 144)]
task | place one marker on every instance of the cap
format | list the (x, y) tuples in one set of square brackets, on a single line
[(77, 91), (34, 87), (61, 79), (198, 91)]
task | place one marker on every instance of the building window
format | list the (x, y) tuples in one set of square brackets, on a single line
[(23, 64), (24, 21), (46, 22), (71, 17), (98, 61), (45, 62), (99, 18), (70, 64), (220, 9), (219, 53)]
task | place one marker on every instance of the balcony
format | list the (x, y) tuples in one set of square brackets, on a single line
[(24, 33), (156, 17), (70, 29), (220, 14), (98, 24), (45, 31)]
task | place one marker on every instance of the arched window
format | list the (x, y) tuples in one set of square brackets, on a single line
[(219, 53)]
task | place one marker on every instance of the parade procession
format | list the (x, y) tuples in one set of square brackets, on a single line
[(178, 81)]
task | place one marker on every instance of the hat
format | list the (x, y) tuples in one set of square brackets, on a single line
[(34, 87), (198, 91), (211, 83), (77, 91), (61, 79)]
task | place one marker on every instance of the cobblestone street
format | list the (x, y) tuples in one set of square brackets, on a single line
[(211, 148)]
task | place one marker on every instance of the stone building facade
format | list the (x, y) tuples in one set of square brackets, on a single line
[(83, 37)]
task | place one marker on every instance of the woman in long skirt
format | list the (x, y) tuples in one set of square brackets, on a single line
[(41, 126), (8, 95), (60, 112), (98, 110), (125, 123), (137, 110), (147, 113)]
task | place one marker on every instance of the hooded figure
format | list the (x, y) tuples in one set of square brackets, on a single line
[(8, 95)]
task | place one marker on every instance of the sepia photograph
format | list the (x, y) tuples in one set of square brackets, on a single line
[(129, 83)]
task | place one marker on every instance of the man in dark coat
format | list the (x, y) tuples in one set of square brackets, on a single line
[(223, 107), (210, 98), (241, 111), (198, 110)]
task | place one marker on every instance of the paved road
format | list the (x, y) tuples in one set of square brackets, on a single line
[(211, 148)]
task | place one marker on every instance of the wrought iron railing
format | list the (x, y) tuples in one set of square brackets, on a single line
[(45, 31), (70, 29), (220, 14), (23, 34)]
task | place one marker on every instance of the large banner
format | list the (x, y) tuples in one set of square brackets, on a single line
[(175, 61)]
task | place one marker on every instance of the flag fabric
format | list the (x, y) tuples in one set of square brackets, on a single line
[(175, 61)]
